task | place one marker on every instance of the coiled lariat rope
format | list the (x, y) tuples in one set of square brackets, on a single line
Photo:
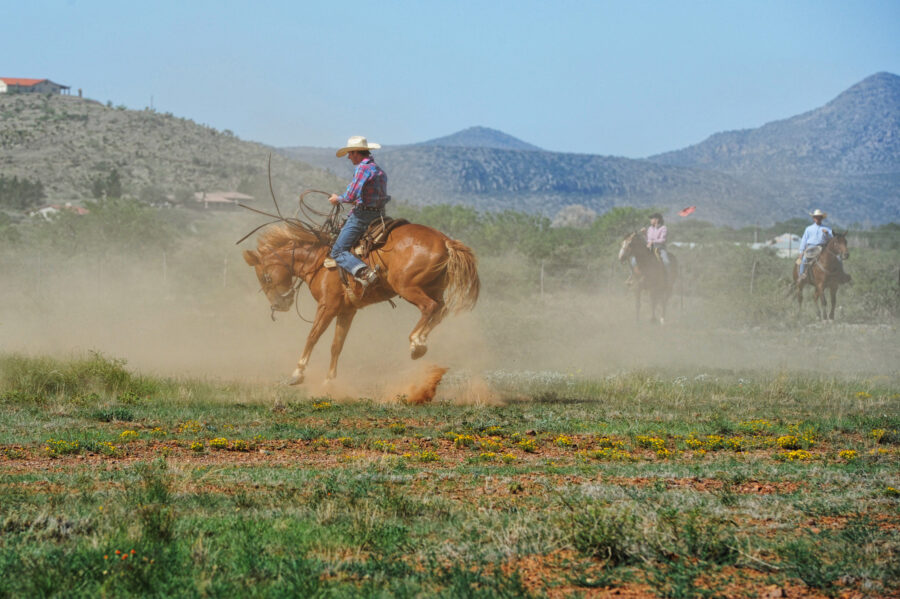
[(324, 232)]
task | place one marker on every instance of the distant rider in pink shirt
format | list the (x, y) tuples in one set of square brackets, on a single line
[(656, 235), (656, 238)]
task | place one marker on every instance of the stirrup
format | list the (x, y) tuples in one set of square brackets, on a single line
[(370, 276)]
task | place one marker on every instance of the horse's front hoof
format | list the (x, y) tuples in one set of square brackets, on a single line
[(296, 378), (417, 351)]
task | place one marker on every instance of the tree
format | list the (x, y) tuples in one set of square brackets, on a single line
[(20, 194), (114, 185), (109, 186), (8, 231), (153, 195), (614, 225), (110, 225)]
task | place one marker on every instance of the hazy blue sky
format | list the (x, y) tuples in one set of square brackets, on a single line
[(627, 78)]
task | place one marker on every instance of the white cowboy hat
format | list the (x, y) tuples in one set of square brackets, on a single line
[(357, 143), (818, 212)]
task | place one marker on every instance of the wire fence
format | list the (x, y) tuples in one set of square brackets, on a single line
[(725, 272)]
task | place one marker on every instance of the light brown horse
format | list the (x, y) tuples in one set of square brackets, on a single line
[(649, 275), (417, 263), (825, 272)]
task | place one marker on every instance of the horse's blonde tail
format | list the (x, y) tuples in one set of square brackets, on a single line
[(463, 284)]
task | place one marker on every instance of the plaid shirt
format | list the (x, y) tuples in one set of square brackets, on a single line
[(368, 187)]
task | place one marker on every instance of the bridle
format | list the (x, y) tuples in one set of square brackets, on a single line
[(834, 253), (296, 281)]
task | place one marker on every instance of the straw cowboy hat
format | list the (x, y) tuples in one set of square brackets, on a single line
[(818, 212), (355, 144)]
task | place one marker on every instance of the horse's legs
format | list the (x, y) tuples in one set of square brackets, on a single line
[(324, 315), (341, 326), (833, 291), (819, 301), (430, 309), (437, 315), (799, 299)]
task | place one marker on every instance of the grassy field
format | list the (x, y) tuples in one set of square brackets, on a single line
[(638, 484)]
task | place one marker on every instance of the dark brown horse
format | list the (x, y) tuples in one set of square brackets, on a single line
[(825, 272), (649, 275), (417, 263)]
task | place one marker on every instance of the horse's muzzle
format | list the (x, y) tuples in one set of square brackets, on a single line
[(282, 303)]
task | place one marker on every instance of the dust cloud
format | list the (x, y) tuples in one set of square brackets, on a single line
[(202, 316)]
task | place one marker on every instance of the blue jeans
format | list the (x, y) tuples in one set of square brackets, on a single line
[(353, 229), (807, 256), (663, 254)]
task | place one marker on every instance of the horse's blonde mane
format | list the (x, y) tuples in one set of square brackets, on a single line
[(280, 235)]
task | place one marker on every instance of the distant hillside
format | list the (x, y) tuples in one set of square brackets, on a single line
[(480, 137), (843, 157), (545, 182), (65, 142), (856, 133)]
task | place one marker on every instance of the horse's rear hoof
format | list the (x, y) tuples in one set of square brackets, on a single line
[(417, 351)]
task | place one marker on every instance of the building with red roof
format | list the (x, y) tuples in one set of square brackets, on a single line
[(22, 85)]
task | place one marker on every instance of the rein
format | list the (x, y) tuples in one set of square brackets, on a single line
[(295, 286)]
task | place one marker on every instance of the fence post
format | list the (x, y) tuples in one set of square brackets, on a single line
[(753, 275), (542, 280)]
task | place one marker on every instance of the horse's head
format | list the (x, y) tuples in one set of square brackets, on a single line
[(838, 245), (625, 250), (275, 276)]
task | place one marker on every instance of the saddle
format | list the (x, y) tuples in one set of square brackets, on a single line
[(374, 237), (811, 254)]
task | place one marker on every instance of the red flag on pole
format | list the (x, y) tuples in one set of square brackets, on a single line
[(687, 211)]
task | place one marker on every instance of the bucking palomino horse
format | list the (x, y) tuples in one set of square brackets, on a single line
[(824, 271), (649, 275), (418, 263)]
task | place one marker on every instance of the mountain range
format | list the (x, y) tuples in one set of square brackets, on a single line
[(843, 157)]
